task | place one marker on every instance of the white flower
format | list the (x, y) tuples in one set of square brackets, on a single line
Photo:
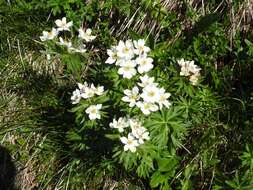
[(76, 97), (86, 35), (121, 61), (87, 92), (125, 50), (147, 81), (93, 111), (65, 43), (163, 98), (120, 124), (81, 49), (131, 96), (141, 134), (130, 143), (150, 94), (135, 124), (112, 55), (147, 107), (144, 64), (194, 78), (82, 86), (140, 47), (49, 35), (63, 25), (48, 57), (97, 90), (184, 67), (188, 67), (194, 69), (127, 69)]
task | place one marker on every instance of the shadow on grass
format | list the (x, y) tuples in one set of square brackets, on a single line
[(7, 170), (51, 105), (202, 25)]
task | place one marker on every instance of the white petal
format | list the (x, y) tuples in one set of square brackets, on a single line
[(98, 116), (132, 148), (120, 130), (125, 99), (128, 92), (135, 90), (110, 60), (42, 38), (141, 141), (69, 24), (109, 52), (92, 116), (99, 106), (58, 22), (154, 107), (140, 69), (121, 71), (123, 140), (64, 20), (132, 104), (126, 148)]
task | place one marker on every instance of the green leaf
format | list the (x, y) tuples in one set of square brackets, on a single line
[(158, 179), (112, 136), (166, 164)]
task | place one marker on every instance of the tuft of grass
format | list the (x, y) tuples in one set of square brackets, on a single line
[(34, 105)]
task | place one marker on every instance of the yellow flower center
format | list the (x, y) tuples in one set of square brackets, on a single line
[(93, 111), (151, 94), (127, 68), (162, 98), (133, 96), (114, 56), (144, 62), (146, 106), (126, 50)]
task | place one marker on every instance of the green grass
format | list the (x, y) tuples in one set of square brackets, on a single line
[(36, 125)]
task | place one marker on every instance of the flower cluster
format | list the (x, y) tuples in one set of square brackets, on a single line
[(146, 95), (93, 111), (136, 137), (150, 98), (87, 91), (61, 26), (189, 69), (128, 55)]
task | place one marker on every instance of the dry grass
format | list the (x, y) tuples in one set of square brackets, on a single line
[(141, 19), (12, 117), (242, 19), (43, 64), (14, 106)]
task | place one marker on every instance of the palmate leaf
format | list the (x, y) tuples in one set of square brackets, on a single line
[(166, 164), (112, 136), (73, 136), (101, 99), (159, 179), (147, 154), (80, 107), (145, 167), (166, 126), (73, 63), (128, 159)]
